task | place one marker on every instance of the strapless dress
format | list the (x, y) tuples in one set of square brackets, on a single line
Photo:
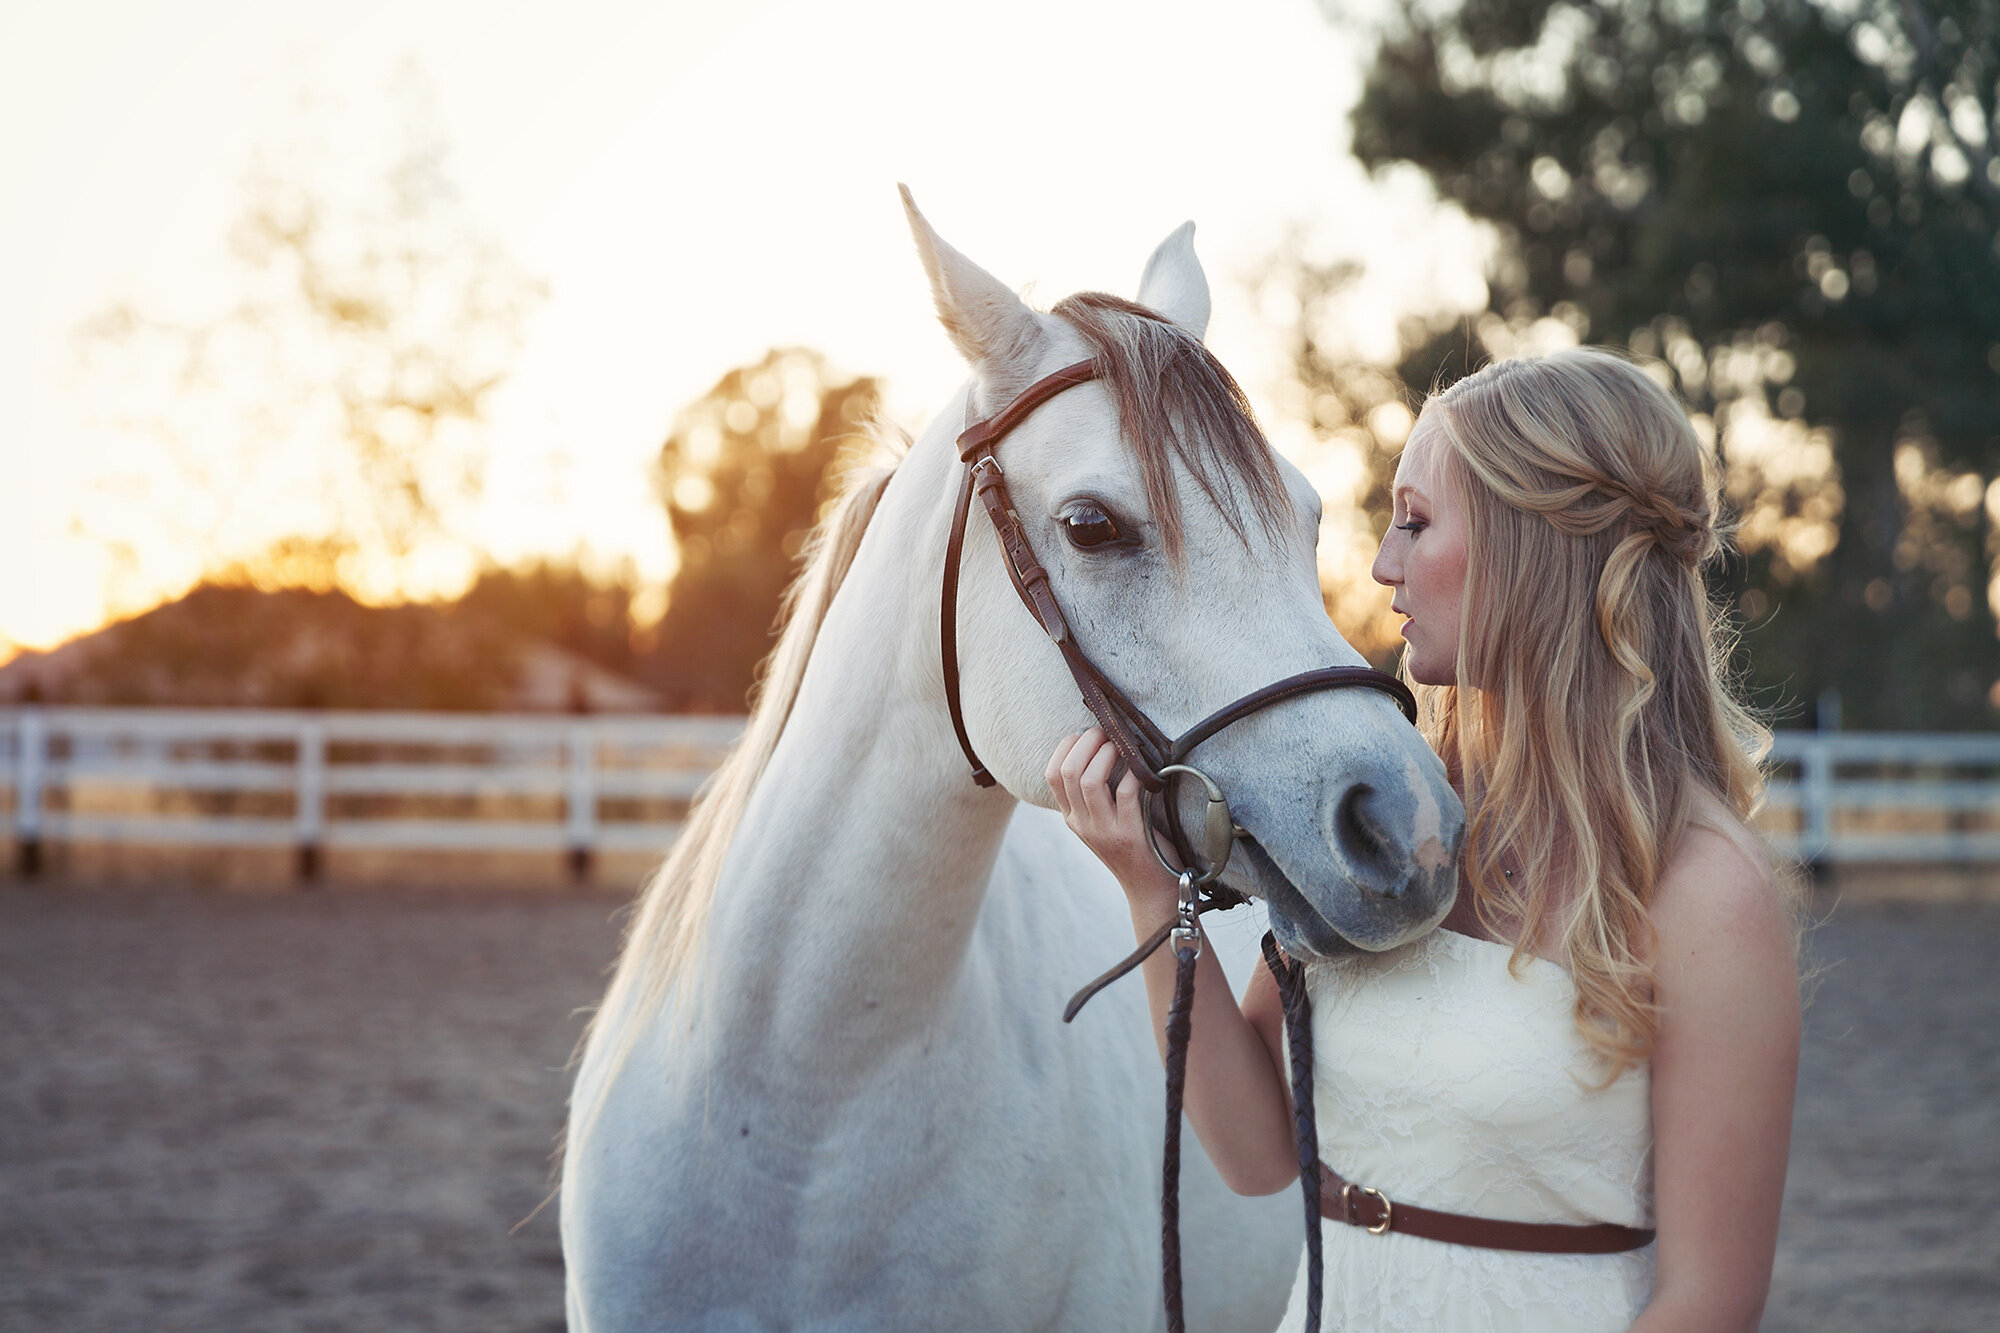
[(1444, 1080)]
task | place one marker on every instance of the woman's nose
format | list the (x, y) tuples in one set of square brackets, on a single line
[(1385, 571)]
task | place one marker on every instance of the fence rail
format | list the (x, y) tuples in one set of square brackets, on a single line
[(1853, 797), (317, 780), (581, 785)]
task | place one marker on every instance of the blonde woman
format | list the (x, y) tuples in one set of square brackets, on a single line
[(1602, 1037)]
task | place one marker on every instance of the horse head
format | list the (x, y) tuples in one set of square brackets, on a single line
[(1180, 548)]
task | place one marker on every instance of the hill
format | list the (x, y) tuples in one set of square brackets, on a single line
[(231, 646)]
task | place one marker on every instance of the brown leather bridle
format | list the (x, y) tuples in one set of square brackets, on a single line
[(1157, 760), (1153, 757)]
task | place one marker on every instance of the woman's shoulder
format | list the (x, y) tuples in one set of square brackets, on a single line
[(1720, 892)]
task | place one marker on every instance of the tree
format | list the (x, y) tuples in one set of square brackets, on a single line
[(527, 637), (561, 603), (1794, 204), (746, 473), (324, 420), (1358, 416)]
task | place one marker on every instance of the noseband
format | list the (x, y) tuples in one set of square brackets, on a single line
[(1158, 761)]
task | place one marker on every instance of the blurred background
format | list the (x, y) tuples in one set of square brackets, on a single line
[(491, 331), (376, 363)]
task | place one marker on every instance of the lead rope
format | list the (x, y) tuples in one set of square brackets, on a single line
[(1291, 980), (1297, 1003), (1180, 1030)]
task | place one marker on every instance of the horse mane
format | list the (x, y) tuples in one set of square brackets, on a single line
[(663, 943), (1178, 405)]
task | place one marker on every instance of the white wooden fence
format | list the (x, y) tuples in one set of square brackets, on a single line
[(581, 785), (316, 780), (1852, 796)]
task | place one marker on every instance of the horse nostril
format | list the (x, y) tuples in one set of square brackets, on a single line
[(1362, 840)]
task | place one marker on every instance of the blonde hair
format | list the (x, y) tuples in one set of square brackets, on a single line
[(1593, 700)]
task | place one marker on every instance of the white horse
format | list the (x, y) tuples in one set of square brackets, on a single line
[(829, 1087)]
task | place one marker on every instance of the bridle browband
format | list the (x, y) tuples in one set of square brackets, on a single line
[(1157, 760)]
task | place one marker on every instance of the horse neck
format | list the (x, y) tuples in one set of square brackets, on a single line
[(847, 904)]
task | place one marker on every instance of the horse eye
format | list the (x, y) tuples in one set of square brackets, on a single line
[(1086, 527)]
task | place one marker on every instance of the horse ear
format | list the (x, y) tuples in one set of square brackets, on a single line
[(1174, 284), (992, 327)]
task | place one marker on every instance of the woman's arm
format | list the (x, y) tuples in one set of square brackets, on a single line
[(1725, 1064), (1236, 1095)]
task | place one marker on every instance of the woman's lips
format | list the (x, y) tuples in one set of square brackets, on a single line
[(1405, 630)]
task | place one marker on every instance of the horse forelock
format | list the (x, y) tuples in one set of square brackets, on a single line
[(1180, 409)]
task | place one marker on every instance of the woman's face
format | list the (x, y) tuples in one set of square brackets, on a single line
[(1423, 556)]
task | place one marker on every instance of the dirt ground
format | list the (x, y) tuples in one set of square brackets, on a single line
[(308, 1111), (328, 1109)]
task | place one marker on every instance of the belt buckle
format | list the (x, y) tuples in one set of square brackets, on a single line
[(1347, 1203)]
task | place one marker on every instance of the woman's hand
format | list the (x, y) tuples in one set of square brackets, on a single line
[(1108, 820), (1236, 1094)]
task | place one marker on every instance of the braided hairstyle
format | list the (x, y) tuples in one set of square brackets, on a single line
[(1593, 700)]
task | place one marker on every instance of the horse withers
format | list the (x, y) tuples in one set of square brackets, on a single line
[(829, 1086)]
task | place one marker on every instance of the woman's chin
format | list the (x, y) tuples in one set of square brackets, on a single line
[(1426, 672)]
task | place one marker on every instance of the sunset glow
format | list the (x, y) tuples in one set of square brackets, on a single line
[(693, 184)]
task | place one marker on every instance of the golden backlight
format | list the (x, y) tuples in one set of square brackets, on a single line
[(685, 185)]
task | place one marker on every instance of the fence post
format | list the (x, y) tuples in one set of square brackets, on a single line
[(311, 798), (31, 744), (1816, 772), (580, 830)]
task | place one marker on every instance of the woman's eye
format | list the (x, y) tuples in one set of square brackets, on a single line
[(1086, 527), (1413, 527)]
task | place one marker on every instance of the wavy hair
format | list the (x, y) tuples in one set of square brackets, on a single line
[(1594, 699)]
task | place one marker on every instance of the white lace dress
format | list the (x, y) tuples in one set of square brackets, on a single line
[(1444, 1081)]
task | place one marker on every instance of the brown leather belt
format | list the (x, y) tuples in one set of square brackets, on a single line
[(1368, 1208)]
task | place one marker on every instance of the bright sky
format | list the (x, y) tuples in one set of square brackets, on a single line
[(695, 182)]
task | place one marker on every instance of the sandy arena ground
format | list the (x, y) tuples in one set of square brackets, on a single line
[(326, 1110)]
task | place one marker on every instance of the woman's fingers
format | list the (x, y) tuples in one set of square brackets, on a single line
[(1107, 818), (1074, 762), (1127, 795), (1055, 770), (1065, 775), (1071, 754), (1095, 784)]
